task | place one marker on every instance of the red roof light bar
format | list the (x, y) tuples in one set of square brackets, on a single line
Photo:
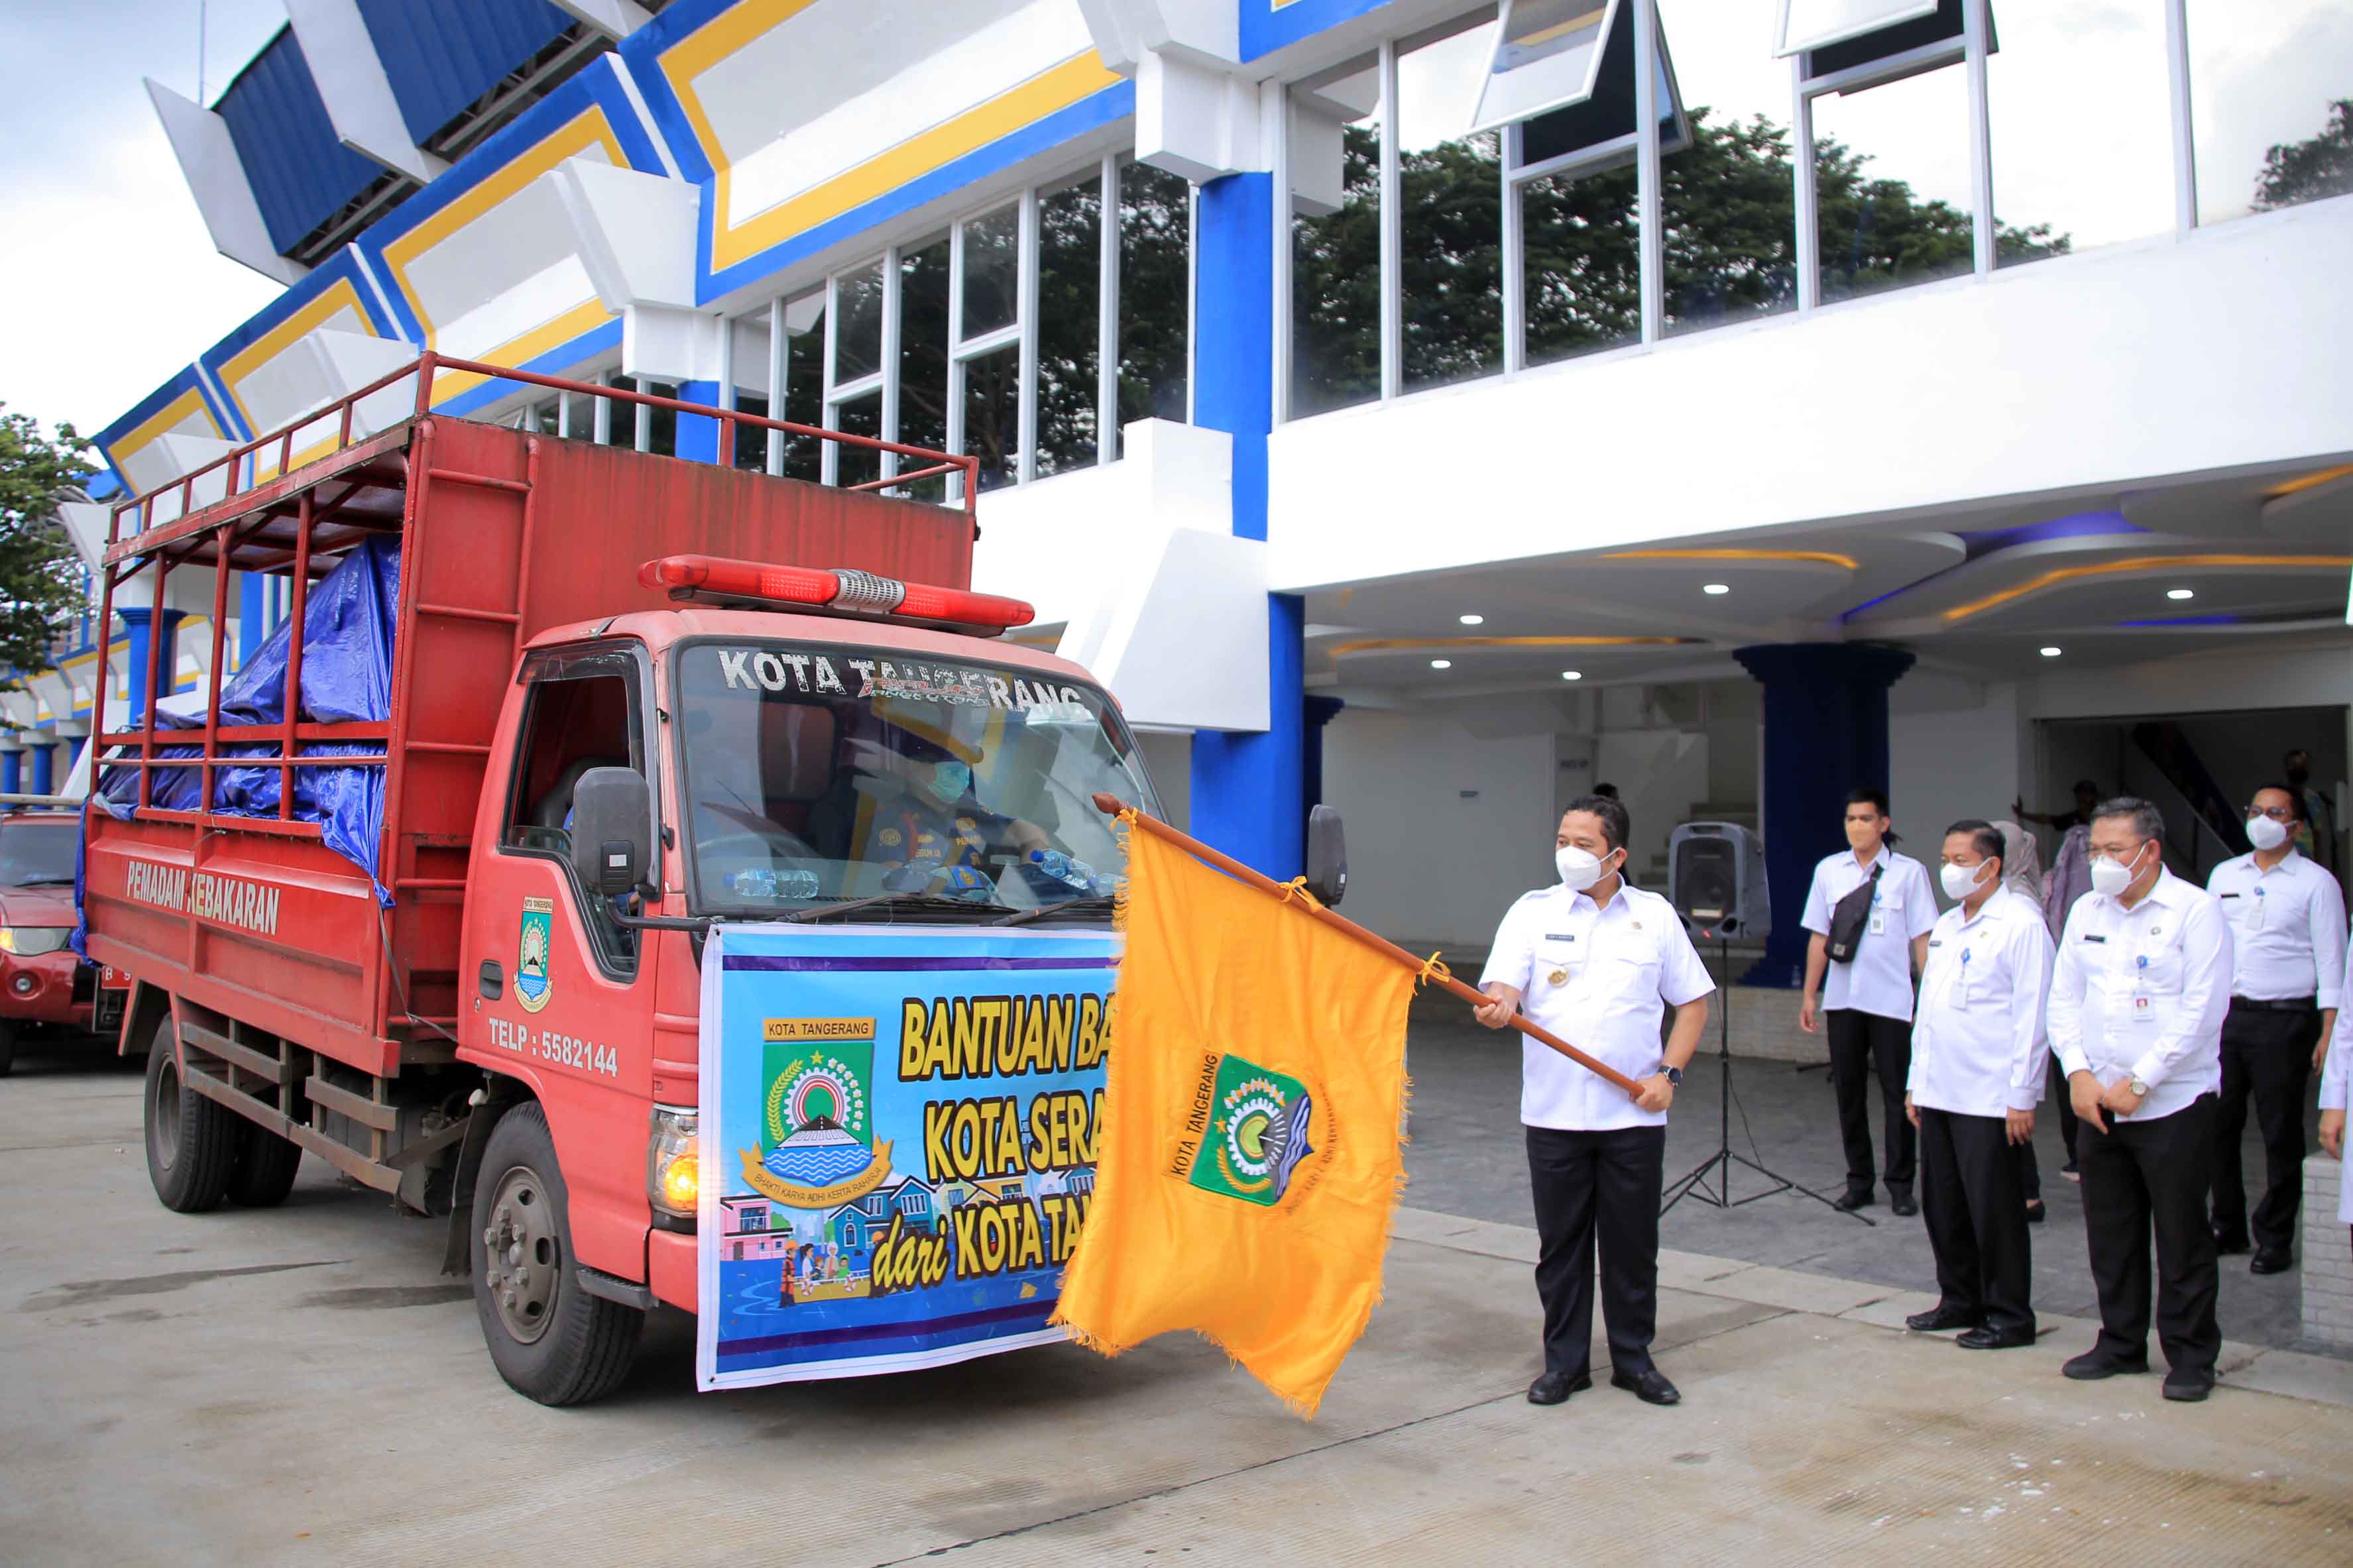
[(846, 591)]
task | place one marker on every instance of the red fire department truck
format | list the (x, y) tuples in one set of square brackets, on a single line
[(424, 892)]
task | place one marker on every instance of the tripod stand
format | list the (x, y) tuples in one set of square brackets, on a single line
[(1692, 1184)]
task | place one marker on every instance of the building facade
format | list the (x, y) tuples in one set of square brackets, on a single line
[(1427, 408)]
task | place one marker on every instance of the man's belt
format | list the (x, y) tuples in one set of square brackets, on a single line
[(2292, 1005)]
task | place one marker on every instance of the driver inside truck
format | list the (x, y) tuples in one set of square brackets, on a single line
[(911, 808)]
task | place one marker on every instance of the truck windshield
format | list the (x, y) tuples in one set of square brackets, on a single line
[(815, 775), (35, 853)]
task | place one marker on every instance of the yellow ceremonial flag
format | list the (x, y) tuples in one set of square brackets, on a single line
[(1249, 1155)]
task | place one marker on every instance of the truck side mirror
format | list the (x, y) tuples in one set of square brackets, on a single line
[(611, 813), (1327, 855)]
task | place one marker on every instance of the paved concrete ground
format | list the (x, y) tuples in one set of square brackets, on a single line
[(297, 1386), (1468, 1158)]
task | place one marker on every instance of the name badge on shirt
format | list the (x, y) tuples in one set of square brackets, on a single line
[(2143, 1010), (1878, 921)]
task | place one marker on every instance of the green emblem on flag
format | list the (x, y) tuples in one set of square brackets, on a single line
[(1257, 1133)]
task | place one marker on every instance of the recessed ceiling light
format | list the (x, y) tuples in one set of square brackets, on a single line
[(1475, 620), (1572, 675), (1715, 588), (1442, 664), (2050, 653), (2181, 593)]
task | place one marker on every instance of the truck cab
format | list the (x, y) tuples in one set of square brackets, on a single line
[(746, 762)]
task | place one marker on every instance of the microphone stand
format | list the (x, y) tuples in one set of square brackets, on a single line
[(1692, 1184)]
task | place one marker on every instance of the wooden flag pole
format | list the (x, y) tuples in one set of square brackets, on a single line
[(1112, 806)]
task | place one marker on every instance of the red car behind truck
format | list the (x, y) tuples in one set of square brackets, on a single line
[(45, 989), (609, 721)]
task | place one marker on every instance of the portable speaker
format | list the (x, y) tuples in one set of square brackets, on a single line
[(1715, 878)]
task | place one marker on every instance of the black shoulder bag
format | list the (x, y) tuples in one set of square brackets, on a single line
[(1850, 918)]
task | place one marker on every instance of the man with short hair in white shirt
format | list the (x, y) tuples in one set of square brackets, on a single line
[(1868, 1005), (2287, 938), (1596, 963), (1977, 1064), (2137, 995)]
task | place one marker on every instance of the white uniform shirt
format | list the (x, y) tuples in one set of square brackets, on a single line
[(1880, 979), (2141, 992), (1978, 1046), (2336, 1086), (1598, 978), (2287, 929)]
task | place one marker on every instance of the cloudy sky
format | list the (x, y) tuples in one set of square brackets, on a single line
[(112, 284), (111, 281)]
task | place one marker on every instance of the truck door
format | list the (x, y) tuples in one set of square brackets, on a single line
[(566, 990)]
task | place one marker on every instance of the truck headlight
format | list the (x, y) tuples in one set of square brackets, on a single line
[(31, 942), (673, 1171)]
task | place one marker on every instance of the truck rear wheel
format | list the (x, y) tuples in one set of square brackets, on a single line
[(264, 1171), (191, 1142), (549, 1339)]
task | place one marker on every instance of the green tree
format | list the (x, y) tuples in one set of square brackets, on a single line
[(2306, 171), (42, 587), (1729, 204)]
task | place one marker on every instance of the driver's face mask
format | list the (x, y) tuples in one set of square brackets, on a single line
[(950, 780)]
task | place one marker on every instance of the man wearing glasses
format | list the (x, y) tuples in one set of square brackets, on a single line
[(2287, 937)]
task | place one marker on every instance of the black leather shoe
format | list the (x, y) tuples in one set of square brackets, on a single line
[(2096, 1364), (1941, 1318), (1996, 1339), (1847, 1203), (2267, 1261), (1650, 1385), (2230, 1243), (1902, 1205), (2189, 1383), (1555, 1387)]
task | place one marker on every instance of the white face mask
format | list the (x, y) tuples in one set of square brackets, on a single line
[(1579, 869), (2111, 878), (2265, 834), (1960, 881)]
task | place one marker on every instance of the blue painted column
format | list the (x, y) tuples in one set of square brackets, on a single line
[(45, 765), (252, 616), (1248, 788), (698, 437), (167, 669), (12, 767), (1825, 733)]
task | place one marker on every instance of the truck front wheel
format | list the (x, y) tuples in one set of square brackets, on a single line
[(191, 1142), (549, 1339)]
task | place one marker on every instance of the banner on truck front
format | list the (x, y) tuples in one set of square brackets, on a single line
[(897, 1143)]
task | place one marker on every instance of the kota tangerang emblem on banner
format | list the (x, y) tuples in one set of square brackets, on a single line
[(531, 955), (817, 1141), (1257, 1131)]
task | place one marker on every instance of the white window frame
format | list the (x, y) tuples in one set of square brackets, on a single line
[(1970, 51), (1103, 172)]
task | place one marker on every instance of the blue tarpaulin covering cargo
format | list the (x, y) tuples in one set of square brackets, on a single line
[(347, 637)]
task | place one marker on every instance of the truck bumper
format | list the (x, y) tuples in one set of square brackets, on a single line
[(670, 1268), (42, 989)]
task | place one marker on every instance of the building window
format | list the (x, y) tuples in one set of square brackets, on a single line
[(1011, 337), (2271, 91)]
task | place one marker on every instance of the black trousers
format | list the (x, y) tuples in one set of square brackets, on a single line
[(2057, 1096), (1973, 1197), (2145, 1176), (1860, 1042), (2266, 1057), (1601, 1186)]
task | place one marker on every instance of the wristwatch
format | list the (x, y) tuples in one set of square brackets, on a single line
[(1675, 1076), (2139, 1088)]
